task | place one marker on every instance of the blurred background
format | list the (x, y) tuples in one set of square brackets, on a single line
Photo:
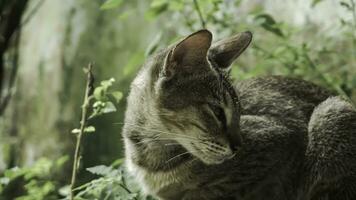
[(44, 45)]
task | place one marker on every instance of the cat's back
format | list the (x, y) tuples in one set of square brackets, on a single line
[(281, 97)]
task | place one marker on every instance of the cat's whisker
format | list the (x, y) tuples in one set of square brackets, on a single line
[(160, 114), (183, 137), (158, 131), (160, 139), (214, 147), (152, 140), (172, 144), (177, 156), (188, 152)]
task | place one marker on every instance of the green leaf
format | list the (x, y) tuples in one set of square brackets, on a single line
[(109, 107), (89, 129), (268, 23), (315, 2), (64, 191), (158, 3), (346, 5), (157, 7), (117, 95), (109, 4), (61, 161), (98, 104), (107, 83), (100, 170), (99, 93), (4, 181), (75, 131), (176, 5), (118, 162), (14, 173)]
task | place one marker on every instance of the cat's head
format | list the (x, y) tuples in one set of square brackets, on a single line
[(184, 94)]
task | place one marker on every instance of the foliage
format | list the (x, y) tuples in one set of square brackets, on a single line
[(111, 4), (102, 105), (103, 101), (105, 98), (39, 181), (113, 184)]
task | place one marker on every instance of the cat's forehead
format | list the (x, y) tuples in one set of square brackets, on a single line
[(186, 90)]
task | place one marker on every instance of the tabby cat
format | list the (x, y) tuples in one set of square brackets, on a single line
[(190, 133)]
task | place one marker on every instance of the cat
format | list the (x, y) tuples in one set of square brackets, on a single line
[(190, 133)]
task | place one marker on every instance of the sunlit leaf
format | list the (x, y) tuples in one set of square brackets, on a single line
[(4, 180), (89, 129), (65, 190), (109, 107), (158, 3), (109, 4), (315, 2), (61, 161), (13, 173), (75, 131), (100, 170), (117, 162), (99, 93), (176, 5), (98, 104), (157, 7), (117, 95), (107, 83)]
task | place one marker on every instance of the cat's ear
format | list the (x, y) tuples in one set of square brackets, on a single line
[(225, 51), (190, 53)]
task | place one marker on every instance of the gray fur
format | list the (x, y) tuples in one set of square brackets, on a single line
[(190, 135)]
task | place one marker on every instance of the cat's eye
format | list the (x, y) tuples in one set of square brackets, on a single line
[(218, 112)]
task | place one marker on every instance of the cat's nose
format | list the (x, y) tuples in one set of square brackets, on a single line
[(234, 147), (235, 141)]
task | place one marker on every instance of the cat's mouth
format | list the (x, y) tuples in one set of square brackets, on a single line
[(212, 154)]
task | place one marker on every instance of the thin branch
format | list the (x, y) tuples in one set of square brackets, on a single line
[(197, 8), (83, 121)]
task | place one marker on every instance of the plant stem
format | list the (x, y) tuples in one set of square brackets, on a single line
[(83, 121), (197, 8)]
